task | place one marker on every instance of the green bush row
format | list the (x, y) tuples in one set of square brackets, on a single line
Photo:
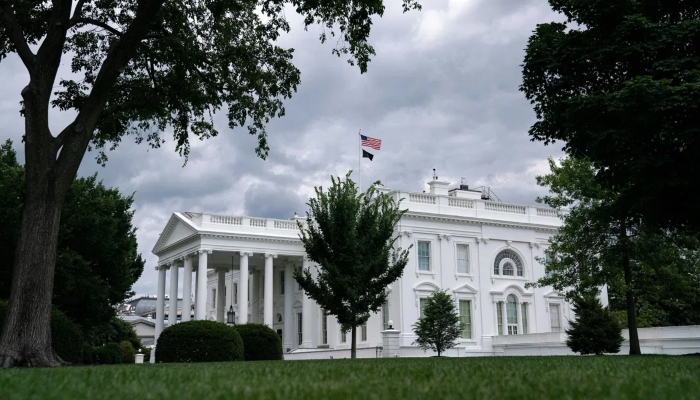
[(208, 341)]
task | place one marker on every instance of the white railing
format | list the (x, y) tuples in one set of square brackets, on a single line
[(421, 198), (291, 225), (258, 222), (504, 208), (226, 220), (463, 203), (547, 212)]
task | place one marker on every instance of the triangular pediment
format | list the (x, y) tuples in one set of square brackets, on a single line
[(465, 289), (553, 293), (176, 229)]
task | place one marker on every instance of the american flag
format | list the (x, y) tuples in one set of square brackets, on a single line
[(371, 142)]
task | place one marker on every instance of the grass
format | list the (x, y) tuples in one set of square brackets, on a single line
[(606, 377)]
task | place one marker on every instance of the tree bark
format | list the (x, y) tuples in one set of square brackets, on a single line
[(629, 294), (353, 342)]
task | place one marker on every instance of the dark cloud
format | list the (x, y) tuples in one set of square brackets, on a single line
[(442, 92)]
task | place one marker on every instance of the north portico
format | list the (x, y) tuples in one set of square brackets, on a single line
[(483, 252)]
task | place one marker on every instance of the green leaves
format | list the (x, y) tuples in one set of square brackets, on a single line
[(620, 86), (439, 327), (350, 237)]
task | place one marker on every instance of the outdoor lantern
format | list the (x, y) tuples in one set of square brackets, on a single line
[(230, 315)]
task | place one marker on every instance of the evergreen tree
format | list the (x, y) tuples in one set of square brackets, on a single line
[(595, 330), (351, 239), (439, 327)]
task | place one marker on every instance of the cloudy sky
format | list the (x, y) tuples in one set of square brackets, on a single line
[(441, 93)]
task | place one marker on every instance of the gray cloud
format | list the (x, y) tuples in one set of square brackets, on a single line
[(442, 92)]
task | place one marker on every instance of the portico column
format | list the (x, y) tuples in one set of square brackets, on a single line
[(288, 330), (243, 289), (172, 305), (187, 289), (160, 304), (267, 292), (201, 301), (221, 295), (306, 314)]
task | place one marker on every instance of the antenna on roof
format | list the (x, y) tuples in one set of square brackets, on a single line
[(435, 177), (462, 181)]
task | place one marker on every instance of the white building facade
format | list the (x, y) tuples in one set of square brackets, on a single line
[(482, 252)]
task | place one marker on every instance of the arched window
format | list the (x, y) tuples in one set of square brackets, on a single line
[(508, 263)]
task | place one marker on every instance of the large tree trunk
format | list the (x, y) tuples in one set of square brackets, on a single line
[(26, 335), (629, 294), (353, 342)]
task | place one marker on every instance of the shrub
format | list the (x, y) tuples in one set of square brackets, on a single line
[(128, 352), (199, 341), (88, 354), (439, 328), (146, 354), (110, 353), (66, 337), (260, 342), (595, 330)]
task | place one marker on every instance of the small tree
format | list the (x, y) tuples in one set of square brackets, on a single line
[(439, 327), (595, 330), (351, 239)]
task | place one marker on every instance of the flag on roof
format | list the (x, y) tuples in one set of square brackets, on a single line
[(371, 142), (366, 154)]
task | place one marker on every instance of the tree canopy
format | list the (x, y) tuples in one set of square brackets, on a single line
[(439, 327), (140, 68), (619, 85), (350, 237), (97, 260)]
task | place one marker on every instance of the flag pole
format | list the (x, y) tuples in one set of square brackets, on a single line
[(359, 159)]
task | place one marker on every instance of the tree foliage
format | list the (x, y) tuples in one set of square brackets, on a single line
[(140, 68), (598, 245), (619, 85), (351, 239), (595, 330), (439, 327), (97, 261)]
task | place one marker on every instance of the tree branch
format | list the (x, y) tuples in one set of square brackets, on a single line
[(14, 30), (90, 21), (77, 12)]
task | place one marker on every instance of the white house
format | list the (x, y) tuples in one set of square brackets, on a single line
[(481, 251)]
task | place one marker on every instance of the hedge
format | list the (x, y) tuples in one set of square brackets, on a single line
[(199, 341), (110, 353), (66, 337), (260, 342), (128, 352)]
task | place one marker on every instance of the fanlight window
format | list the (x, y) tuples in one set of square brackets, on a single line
[(508, 263)]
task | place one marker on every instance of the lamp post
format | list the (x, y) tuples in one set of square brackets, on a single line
[(230, 314)]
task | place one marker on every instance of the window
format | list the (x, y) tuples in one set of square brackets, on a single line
[(499, 316), (547, 260), (385, 315), (299, 325), (364, 332), (554, 318), (512, 265), (421, 304), (235, 293), (462, 259), (465, 317), (324, 327), (213, 298), (343, 337), (512, 315), (523, 315), (281, 282), (424, 256)]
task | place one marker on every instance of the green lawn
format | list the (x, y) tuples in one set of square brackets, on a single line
[(607, 377)]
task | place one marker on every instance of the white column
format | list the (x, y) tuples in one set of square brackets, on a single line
[(504, 317), (288, 330), (267, 295), (307, 316), (253, 296), (221, 296), (160, 304), (243, 289), (172, 304), (201, 300), (187, 289), (519, 313)]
